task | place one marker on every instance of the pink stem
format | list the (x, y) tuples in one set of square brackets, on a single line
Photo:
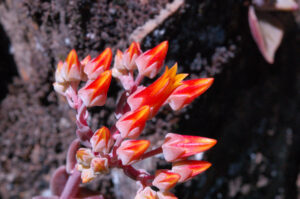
[(137, 175), (151, 153), (72, 185), (71, 155)]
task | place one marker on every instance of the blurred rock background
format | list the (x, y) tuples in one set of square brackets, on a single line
[(252, 109)]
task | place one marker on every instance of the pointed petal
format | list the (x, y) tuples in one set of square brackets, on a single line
[(165, 179), (99, 165), (188, 91), (130, 55), (98, 65), (94, 93), (101, 140), (84, 156), (72, 59), (189, 168), (177, 147), (132, 124), (150, 62), (87, 175), (132, 150), (158, 92)]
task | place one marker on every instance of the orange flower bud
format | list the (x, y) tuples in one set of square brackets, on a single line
[(130, 55), (85, 60), (158, 92), (58, 73), (189, 168), (101, 140), (165, 179), (60, 87), (72, 68), (132, 123), (118, 64), (150, 62), (99, 165), (98, 65), (94, 93), (188, 91), (84, 157), (146, 193), (177, 147), (132, 150), (87, 175)]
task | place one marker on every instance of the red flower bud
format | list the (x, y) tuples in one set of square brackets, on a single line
[(132, 150), (94, 93), (150, 62), (188, 91), (165, 179), (98, 65), (101, 140), (132, 123), (177, 147), (158, 92), (130, 55), (189, 168)]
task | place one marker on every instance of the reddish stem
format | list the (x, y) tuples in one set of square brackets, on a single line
[(72, 185), (137, 175), (151, 153)]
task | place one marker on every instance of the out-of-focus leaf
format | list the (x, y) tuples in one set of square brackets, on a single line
[(267, 32), (59, 180), (282, 5)]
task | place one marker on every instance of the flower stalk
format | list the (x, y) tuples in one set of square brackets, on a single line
[(85, 84)]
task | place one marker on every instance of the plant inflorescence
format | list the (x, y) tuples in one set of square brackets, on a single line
[(85, 84)]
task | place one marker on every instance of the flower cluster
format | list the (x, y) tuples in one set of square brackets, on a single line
[(85, 84)]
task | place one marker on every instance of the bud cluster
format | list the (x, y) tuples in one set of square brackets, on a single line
[(85, 84)]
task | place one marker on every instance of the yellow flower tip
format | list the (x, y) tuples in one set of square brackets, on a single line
[(72, 59)]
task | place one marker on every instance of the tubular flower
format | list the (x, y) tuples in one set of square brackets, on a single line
[(118, 68), (71, 69), (130, 55), (131, 150), (165, 179), (94, 93), (120, 72), (60, 87), (158, 92), (189, 168), (84, 157), (87, 175), (132, 124), (101, 140), (98, 65), (188, 91), (146, 193), (99, 165), (58, 73), (177, 147), (150, 62), (85, 60)]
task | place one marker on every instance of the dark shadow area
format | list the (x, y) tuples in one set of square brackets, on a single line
[(8, 68)]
